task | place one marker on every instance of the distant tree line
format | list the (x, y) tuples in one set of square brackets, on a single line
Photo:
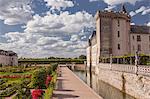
[(79, 60)]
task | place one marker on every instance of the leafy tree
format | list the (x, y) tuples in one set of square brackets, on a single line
[(82, 57)]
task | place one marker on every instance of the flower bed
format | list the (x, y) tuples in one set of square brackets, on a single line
[(8, 91), (16, 76), (2, 81)]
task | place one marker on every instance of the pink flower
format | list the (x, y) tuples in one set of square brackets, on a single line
[(48, 80), (37, 93)]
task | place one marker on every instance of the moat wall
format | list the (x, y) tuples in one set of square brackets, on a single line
[(135, 85)]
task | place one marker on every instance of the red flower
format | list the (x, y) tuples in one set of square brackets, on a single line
[(37, 93), (48, 80)]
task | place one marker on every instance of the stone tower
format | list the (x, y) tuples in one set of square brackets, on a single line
[(112, 32)]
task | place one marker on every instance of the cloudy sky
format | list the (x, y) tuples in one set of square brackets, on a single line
[(42, 28)]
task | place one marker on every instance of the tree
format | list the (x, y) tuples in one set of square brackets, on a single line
[(82, 57)]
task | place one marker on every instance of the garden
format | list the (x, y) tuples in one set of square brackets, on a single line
[(32, 82)]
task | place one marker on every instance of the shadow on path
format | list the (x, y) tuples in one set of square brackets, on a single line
[(63, 96)]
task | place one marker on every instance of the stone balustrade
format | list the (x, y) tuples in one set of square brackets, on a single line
[(142, 70)]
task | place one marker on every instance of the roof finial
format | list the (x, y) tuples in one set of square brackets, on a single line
[(123, 9)]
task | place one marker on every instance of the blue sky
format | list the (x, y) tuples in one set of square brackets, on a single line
[(42, 28)]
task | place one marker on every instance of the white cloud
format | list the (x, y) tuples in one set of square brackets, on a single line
[(132, 23), (115, 2), (109, 7), (15, 12), (93, 0), (132, 13), (146, 11), (84, 37), (59, 4), (143, 10), (57, 25), (45, 35), (74, 38), (148, 24)]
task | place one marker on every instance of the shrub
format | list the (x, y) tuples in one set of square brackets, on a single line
[(54, 66), (39, 78), (48, 93), (49, 70)]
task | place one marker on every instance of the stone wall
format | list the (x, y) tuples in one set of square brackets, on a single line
[(136, 85), (9, 60)]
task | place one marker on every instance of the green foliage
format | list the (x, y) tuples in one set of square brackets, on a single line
[(82, 57), (48, 93), (23, 93), (54, 66), (52, 60), (38, 78), (49, 70), (143, 59)]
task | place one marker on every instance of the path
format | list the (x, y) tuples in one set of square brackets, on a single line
[(69, 86)]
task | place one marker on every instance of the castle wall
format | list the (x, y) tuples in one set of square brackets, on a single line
[(121, 38), (94, 55), (9, 60), (135, 85), (144, 43), (88, 55)]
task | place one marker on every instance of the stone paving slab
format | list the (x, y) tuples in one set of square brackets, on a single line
[(69, 86)]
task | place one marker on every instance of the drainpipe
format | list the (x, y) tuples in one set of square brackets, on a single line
[(136, 62), (110, 61)]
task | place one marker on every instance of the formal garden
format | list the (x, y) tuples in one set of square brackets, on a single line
[(22, 82)]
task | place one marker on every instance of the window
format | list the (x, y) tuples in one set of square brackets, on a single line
[(118, 23), (118, 46), (138, 38), (118, 33), (133, 37), (139, 47)]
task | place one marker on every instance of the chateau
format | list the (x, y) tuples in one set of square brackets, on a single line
[(8, 58), (115, 36)]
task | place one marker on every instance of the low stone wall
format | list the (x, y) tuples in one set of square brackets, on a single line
[(142, 70), (136, 85)]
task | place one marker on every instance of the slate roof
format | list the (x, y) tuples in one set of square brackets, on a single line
[(135, 29), (7, 53)]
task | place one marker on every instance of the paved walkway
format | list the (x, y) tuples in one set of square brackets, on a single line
[(69, 86)]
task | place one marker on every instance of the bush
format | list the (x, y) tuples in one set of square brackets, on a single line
[(54, 66), (48, 93), (39, 78), (49, 70)]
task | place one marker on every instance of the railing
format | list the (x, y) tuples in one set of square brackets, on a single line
[(142, 70)]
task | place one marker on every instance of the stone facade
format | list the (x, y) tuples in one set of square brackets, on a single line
[(8, 58), (137, 86), (115, 36)]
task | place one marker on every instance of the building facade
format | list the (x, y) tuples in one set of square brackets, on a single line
[(115, 36), (8, 58)]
